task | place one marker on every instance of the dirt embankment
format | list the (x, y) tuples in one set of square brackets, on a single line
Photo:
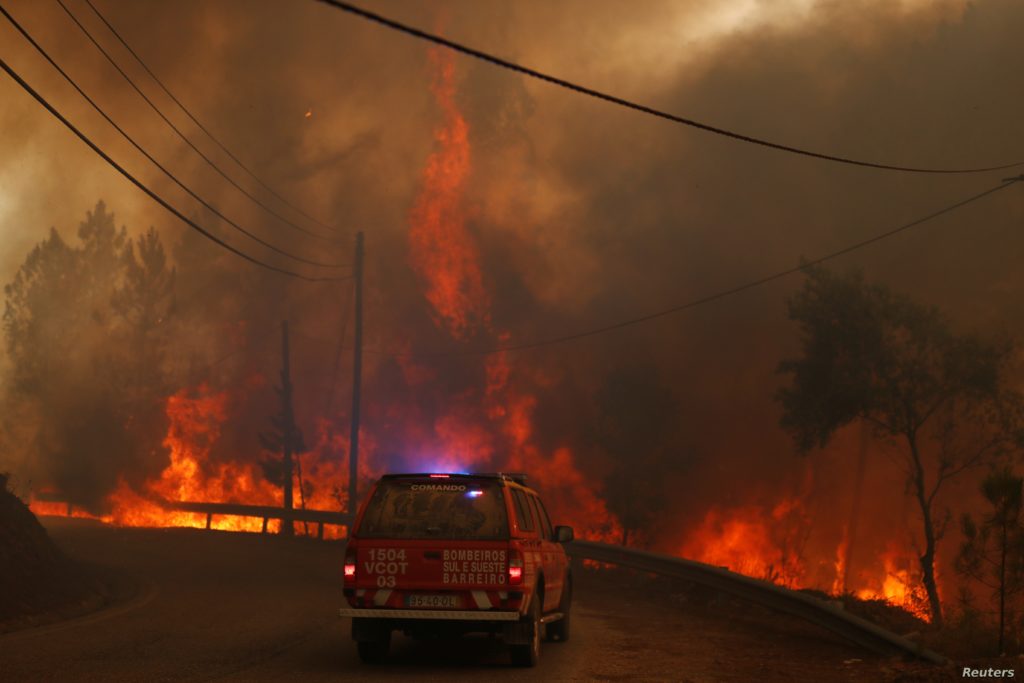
[(38, 583)]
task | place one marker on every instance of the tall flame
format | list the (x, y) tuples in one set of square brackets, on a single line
[(496, 431), (443, 253)]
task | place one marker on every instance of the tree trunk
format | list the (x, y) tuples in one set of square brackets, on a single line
[(1002, 588), (927, 558), (288, 430)]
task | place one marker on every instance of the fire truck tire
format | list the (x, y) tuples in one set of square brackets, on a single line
[(559, 630), (528, 654), (373, 651)]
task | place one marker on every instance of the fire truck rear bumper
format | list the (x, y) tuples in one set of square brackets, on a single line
[(454, 615)]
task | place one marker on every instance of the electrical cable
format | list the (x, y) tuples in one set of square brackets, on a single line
[(155, 197), (156, 163), (718, 295), (568, 85), (185, 139), (202, 127)]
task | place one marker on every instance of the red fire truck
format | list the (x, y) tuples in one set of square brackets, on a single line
[(437, 555)]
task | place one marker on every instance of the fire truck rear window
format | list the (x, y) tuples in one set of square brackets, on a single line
[(436, 509)]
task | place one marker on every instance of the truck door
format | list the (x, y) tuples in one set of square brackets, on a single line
[(528, 537), (554, 560)]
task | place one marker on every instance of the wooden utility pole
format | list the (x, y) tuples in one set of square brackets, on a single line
[(357, 368), (288, 429)]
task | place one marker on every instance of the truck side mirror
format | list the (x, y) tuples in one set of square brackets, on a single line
[(563, 534)]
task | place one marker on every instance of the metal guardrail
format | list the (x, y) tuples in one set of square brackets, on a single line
[(815, 610), (267, 512)]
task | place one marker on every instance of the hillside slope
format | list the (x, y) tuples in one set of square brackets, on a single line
[(36, 578)]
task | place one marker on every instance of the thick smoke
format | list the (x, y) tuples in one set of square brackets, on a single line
[(583, 213)]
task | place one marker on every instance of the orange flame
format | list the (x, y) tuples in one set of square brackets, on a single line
[(497, 431), (443, 254), (839, 585), (48, 508), (769, 544), (899, 584), (195, 421), (748, 541), (195, 426)]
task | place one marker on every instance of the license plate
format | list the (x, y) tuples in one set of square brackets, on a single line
[(433, 601)]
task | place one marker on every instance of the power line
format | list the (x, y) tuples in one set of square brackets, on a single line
[(185, 139), (200, 125), (590, 92), (718, 295), (156, 163), (155, 197)]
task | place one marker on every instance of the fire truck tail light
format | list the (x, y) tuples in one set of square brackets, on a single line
[(515, 568), (350, 566)]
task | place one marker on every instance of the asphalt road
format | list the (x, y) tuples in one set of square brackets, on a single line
[(217, 606)]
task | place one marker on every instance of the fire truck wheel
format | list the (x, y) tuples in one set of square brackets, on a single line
[(374, 651), (559, 630), (528, 654)]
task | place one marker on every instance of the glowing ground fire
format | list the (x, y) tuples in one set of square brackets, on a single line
[(195, 418), (758, 542), (769, 545)]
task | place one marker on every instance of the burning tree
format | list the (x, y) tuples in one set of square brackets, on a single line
[(993, 552), (874, 355)]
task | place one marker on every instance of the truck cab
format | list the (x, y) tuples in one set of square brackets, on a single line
[(445, 554)]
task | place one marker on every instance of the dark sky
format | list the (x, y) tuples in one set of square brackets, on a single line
[(583, 213)]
